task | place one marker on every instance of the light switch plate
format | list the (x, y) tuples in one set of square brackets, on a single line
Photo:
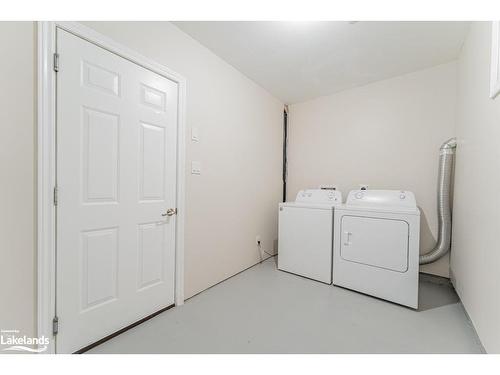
[(195, 167), (195, 136)]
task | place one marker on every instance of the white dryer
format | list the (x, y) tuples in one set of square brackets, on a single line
[(305, 239), (376, 246)]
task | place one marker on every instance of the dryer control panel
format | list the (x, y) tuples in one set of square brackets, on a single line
[(401, 199), (319, 196)]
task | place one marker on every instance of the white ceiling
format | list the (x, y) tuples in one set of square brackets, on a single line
[(297, 61)]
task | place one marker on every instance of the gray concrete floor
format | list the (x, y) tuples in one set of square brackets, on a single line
[(263, 310)]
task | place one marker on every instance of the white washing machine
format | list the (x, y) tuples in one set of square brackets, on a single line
[(305, 239), (376, 246)]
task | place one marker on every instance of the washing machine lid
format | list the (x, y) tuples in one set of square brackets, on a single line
[(385, 200)]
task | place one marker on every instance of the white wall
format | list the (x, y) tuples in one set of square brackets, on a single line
[(386, 134), (17, 177), (475, 260), (233, 200)]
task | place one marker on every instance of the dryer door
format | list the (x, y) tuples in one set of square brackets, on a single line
[(376, 242)]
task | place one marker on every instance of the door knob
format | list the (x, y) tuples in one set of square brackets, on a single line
[(170, 212)]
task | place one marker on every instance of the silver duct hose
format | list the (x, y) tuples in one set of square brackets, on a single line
[(446, 156)]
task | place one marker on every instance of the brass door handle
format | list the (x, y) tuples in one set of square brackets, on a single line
[(170, 212)]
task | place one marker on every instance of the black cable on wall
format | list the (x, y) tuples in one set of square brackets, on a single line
[(285, 144)]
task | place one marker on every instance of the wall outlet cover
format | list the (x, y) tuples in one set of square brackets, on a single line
[(195, 135), (195, 167)]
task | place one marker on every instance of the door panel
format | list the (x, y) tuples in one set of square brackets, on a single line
[(152, 97), (99, 265), (116, 176), (375, 242), (151, 243), (152, 166), (100, 78), (100, 156)]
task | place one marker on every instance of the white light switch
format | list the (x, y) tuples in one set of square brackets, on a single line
[(195, 136), (195, 167)]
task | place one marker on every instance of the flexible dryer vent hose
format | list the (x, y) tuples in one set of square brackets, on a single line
[(446, 156)]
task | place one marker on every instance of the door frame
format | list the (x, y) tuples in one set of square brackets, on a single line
[(46, 167)]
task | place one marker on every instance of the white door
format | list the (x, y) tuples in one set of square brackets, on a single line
[(375, 242), (116, 177), (305, 242)]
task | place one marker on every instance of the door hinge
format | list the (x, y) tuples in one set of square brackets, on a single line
[(55, 325), (55, 196), (56, 62)]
